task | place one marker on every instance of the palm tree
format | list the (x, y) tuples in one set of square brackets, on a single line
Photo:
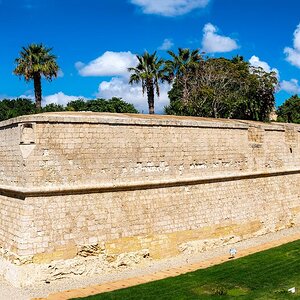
[(182, 62), (34, 62), (149, 72), (182, 67)]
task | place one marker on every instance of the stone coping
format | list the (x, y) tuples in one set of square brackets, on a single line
[(142, 120), (23, 192)]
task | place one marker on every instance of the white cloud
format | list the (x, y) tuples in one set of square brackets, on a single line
[(119, 87), (59, 98), (60, 73), (291, 86), (166, 45), (169, 8), (213, 42), (297, 38), (293, 54), (256, 62), (25, 96), (108, 64)]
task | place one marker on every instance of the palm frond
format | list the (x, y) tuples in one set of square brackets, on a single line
[(36, 59)]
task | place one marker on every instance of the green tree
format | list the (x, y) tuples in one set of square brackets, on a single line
[(34, 62), (149, 72), (289, 111), (223, 88), (218, 84), (77, 105), (213, 87), (53, 107), (117, 105), (258, 89), (11, 108), (114, 105)]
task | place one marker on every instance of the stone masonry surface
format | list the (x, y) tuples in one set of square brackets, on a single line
[(123, 188)]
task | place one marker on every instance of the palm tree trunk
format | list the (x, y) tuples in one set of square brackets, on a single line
[(37, 90), (185, 91), (150, 95)]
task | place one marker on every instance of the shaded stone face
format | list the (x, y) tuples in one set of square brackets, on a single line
[(158, 186)]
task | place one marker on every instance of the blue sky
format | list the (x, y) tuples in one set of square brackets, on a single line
[(95, 41)]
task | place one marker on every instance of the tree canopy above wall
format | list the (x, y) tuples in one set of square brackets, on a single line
[(10, 108)]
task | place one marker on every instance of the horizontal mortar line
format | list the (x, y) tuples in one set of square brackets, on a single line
[(23, 192), (277, 129)]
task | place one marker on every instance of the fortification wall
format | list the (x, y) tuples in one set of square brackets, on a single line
[(153, 186)]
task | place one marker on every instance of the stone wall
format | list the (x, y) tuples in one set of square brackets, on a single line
[(157, 185)]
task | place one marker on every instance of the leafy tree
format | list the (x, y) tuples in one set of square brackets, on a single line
[(149, 72), (53, 107), (77, 105), (115, 105), (213, 89), (289, 111), (121, 106), (10, 108), (219, 86), (259, 101), (34, 62), (223, 88)]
